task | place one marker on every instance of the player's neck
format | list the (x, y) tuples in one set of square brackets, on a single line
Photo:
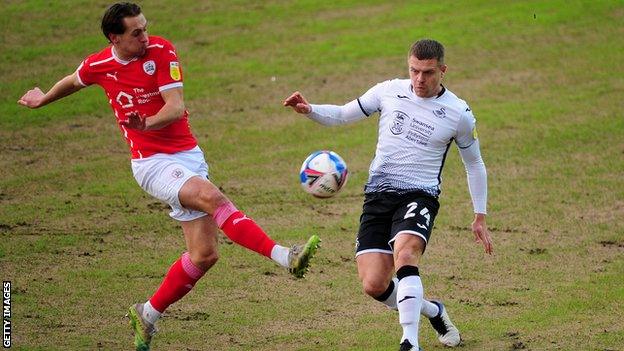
[(121, 55)]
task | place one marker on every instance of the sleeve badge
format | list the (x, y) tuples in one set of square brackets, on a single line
[(174, 70)]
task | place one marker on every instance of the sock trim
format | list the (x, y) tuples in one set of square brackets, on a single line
[(223, 212), (190, 268), (386, 294), (407, 271), (150, 312)]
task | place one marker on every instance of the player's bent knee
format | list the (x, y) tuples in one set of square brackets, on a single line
[(205, 259), (211, 199), (374, 288)]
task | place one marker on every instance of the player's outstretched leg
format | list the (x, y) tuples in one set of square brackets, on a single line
[(299, 256), (448, 334), (143, 330), (247, 233)]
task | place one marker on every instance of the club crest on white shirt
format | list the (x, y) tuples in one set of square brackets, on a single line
[(149, 67), (398, 123), (441, 113)]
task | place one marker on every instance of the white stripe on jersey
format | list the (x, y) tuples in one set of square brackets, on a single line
[(129, 140), (101, 61), (170, 86), (78, 75)]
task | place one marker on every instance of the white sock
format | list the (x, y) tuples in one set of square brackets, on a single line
[(429, 309), (409, 300), (279, 254), (150, 314), (391, 301)]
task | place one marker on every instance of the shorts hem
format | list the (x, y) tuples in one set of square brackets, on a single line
[(192, 217), (382, 251), (410, 232)]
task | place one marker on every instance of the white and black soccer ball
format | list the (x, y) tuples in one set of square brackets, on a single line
[(323, 173)]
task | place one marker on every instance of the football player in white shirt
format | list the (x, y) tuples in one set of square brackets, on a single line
[(419, 118)]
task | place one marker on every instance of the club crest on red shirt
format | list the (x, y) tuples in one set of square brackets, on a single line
[(149, 67)]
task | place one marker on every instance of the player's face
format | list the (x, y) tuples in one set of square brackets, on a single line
[(133, 42), (426, 76)]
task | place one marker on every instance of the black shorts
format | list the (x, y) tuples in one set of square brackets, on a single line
[(384, 215)]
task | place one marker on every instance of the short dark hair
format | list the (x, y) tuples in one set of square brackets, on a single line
[(112, 22), (426, 49)]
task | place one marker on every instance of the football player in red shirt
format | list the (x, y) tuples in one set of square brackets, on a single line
[(142, 78)]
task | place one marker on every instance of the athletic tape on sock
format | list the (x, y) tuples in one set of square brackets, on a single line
[(223, 212), (190, 268)]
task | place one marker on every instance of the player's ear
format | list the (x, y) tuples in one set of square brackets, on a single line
[(113, 38)]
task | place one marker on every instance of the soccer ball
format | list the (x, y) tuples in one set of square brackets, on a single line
[(323, 173)]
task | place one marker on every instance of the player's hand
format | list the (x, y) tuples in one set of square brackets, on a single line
[(32, 99), (298, 103), (479, 228), (134, 121)]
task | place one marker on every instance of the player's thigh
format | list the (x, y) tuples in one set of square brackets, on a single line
[(200, 194)]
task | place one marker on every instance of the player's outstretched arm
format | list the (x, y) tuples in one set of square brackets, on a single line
[(479, 228), (329, 115), (36, 98), (298, 103)]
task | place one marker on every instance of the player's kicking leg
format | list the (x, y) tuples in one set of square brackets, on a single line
[(201, 194), (247, 233)]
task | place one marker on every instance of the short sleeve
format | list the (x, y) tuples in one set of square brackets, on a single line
[(370, 102), (466, 129), (84, 73), (169, 72)]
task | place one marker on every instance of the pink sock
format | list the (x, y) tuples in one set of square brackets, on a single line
[(180, 279), (243, 230)]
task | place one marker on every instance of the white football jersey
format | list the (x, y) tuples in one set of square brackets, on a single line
[(414, 136)]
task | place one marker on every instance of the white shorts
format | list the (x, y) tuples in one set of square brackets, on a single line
[(163, 175)]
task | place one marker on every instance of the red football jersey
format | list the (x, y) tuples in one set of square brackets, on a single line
[(135, 86)]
